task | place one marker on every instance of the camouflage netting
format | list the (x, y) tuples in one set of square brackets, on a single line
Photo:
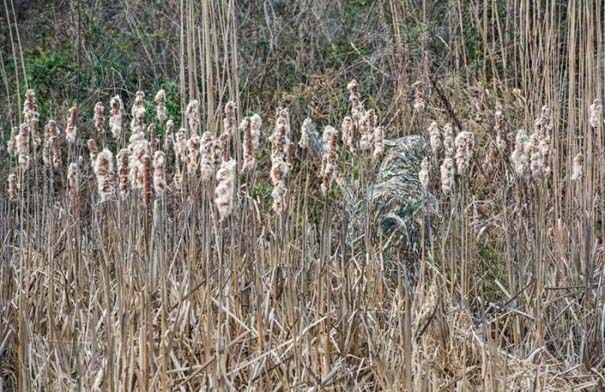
[(397, 201)]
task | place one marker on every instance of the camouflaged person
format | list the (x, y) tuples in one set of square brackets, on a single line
[(395, 201)]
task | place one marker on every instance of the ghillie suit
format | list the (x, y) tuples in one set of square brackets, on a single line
[(395, 201)]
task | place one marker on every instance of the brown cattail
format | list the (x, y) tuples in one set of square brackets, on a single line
[(535, 157), (159, 172), (229, 123), (137, 123), (153, 143), (92, 150), (465, 143), (348, 136), (99, 117), (328, 165), (55, 152), (248, 146), (423, 174), (280, 197), (168, 136), (419, 104), (31, 116), (138, 147), (435, 139), (207, 162), (147, 179), (72, 185), (520, 155), (378, 142), (115, 121), (447, 175), (257, 123), (304, 133), (180, 145), (13, 187), (104, 171), (160, 105), (193, 157), (23, 147), (279, 170), (225, 188), (357, 110), (192, 114), (577, 171), (124, 172), (71, 129), (50, 130), (279, 139)]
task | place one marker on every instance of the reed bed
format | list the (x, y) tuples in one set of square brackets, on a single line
[(448, 238)]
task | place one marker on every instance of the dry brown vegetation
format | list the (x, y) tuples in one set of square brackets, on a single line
[(239, 230)]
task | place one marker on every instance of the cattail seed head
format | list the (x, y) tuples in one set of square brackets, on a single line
[(304, 134), (448, 140), (92, 150), (535, 157), (115, 121), (207, 162), (192, 114), (280, 197), (435, 139), (168, 136), (378, 142), (31, 116), (23, 147), (328, 167), (348, 134), (159, 172), (71, 128), (124, 172), (248, 146), (153, 143), (257, 123), (104, 171), (229, 123), (520, 155), (193, 158), (465, 144), (13, 187), (99, 117), (180, 145), (137, 123), (447, 175), (225, 189), (160, 105)]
